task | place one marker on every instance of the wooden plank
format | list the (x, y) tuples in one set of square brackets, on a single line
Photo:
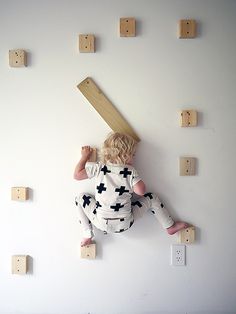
[(105, 108)]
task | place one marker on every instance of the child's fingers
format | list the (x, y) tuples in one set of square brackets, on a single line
[(86, 148)]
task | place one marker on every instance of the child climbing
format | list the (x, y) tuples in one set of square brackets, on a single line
[(116, 180)]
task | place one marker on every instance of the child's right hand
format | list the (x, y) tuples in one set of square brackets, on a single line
[(86, 152)]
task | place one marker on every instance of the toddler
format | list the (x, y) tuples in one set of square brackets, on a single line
[(111, 210)]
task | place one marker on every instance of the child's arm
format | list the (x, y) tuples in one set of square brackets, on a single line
[(139, 188), (80, 172)]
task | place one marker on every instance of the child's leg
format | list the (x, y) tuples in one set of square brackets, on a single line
[(151, 202), (85, 203)]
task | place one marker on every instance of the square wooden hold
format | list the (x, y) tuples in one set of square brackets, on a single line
[(19, 193), (88, 251), (127, 27), (188, 118), (86, 43), (187, 235), (187, 166), (17, 58), (187, 28), (19, 264)]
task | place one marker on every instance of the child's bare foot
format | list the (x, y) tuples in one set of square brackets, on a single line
[(86, 241), (177, 226)]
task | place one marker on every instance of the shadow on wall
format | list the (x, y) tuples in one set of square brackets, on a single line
[(150, 164)]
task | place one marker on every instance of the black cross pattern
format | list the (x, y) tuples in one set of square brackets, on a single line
[(86, 200), (125, 172), (117, 207), (121, 190), (101, 188), (137, 203), (98, 204), (105, 170), (148, 195), (121, 230)]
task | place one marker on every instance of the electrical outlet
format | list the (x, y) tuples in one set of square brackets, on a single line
[(178, 256)]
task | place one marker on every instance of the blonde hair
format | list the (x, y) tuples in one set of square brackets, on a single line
[(118, 148)]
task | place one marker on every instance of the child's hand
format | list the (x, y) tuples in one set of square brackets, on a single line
[(86, 152), (80, 172)]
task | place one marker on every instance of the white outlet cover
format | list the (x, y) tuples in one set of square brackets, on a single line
[(178, 255)]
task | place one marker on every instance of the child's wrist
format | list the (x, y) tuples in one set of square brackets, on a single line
[(84, 159)]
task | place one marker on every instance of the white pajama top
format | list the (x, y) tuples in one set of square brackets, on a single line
[(114, 186)]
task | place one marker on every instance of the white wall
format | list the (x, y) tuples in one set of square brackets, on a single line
[(44, 120)]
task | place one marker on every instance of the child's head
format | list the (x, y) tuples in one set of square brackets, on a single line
[(118, 148)]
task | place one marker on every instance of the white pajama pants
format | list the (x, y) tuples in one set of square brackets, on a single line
[(89, 215)]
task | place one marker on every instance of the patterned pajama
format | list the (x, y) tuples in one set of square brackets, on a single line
[(89, 214), (112, 210)]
